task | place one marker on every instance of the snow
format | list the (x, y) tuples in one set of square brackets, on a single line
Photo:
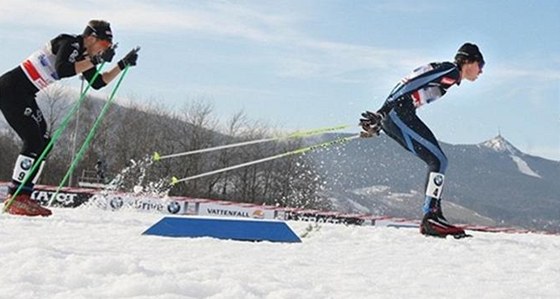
[(524, 167), (501, 145), (372, 190), (89, 253), (358, 207)]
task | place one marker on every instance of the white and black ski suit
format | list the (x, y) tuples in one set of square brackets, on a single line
[(19, 87)]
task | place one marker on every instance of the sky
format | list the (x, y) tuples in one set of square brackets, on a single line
[(318, 63), (89, 253)]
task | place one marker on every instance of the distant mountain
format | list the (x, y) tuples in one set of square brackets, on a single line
[(491, 183)]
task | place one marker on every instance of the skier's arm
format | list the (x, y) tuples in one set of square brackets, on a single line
[(99, 81), (128, 60), (69, 62), (67, 53), (371, 124), (83, 65), (106, 77)]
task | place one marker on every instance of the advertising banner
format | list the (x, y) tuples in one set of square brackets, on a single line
[(235, 210)]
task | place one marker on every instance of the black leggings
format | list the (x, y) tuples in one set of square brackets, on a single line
[(17, 102)]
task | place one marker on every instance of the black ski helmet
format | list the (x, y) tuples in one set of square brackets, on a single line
[(469, 52), (99, 29)]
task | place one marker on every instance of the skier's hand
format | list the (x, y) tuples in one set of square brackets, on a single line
[(105, 56), (129, 59), (370, 123)]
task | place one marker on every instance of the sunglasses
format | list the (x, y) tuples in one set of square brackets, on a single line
[(104, 43), (481, 64)]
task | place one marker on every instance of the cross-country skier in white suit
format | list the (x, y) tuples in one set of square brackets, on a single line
[(64, 56)]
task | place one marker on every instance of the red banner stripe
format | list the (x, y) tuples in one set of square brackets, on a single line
[(31, 70)]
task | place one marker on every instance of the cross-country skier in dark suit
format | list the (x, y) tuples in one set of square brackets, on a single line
[(397, 118), (64, 56)]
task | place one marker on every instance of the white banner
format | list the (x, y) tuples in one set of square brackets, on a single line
[(232, 210), (145, 204)]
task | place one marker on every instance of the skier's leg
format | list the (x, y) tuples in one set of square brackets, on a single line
[(416, 137), (26, 119), (28, 122), (419, 139)]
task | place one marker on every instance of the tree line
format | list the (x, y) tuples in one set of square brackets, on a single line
[(131, 132)]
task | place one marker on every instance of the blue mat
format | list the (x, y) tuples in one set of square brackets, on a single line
[(231, 229)]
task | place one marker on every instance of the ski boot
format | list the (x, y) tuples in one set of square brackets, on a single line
[(437, 226), (25, 206)]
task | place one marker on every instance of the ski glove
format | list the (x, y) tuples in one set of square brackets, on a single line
[(105, 56), (371, 123), (129, 59)]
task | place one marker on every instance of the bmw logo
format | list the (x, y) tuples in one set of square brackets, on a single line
[(116, 203), (173, 207), (438, 180), (26, 164)]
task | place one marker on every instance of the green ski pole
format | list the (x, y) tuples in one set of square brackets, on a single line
[(90, 135)]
